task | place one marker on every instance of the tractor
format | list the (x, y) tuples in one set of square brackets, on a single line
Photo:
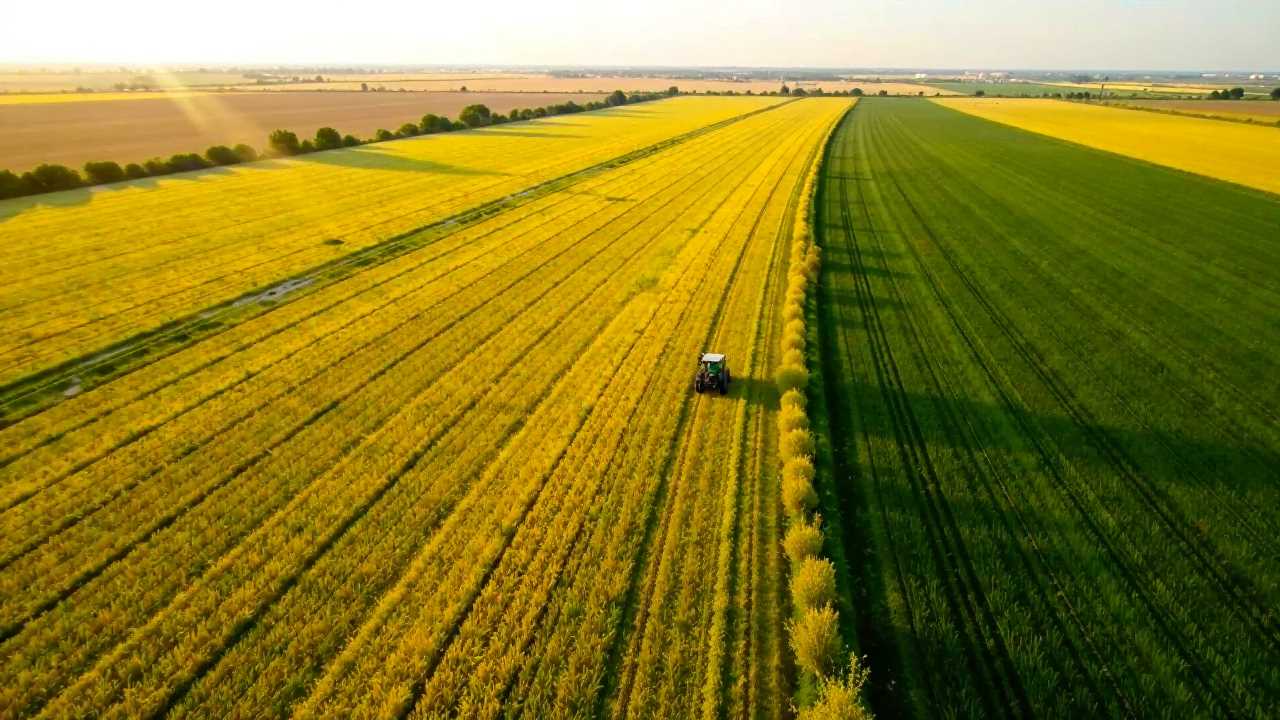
[(713, 373)]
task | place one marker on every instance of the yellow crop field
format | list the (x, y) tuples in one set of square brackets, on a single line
[(1139, 87), (468, 479), (84, 269), (1238, 153)]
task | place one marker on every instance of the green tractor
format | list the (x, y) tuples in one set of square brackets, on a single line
[(713, 374)]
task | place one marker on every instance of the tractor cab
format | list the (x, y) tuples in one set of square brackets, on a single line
[(713, 373)]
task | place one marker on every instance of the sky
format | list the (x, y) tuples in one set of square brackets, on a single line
[(1049, 34)]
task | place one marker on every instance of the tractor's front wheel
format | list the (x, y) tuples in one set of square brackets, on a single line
[(697, 386)]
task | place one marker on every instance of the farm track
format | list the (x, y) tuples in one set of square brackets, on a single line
[(991, 507), (452, 533)]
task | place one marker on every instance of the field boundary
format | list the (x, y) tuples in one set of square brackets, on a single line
[(41, 390)]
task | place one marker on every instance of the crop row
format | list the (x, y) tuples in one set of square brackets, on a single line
[(1018, 395), (394, 443), (131, 259)]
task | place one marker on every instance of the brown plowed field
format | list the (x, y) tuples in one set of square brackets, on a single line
[(72, 133)]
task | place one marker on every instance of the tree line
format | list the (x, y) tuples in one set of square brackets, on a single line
[(285, 143)]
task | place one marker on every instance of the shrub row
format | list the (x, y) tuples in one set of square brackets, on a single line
[(282, 143), (815, 630)]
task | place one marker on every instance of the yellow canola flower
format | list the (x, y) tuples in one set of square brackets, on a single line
[(1238, 153)]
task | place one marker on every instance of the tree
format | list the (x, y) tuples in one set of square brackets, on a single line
[(306, 147), (979, 93), (475, 116), (616, 98), (857, 92), (103, 172), (51, 178), (1215, 95), (245, 153), (157, 166), (328, 139), (134, 171), (1275, 94), (364, 87), (283, 142), (462, 89), (883, 93), (799, 92), (432, 123), (187, 162), (383, 134), (673, 91), (350, 141), (1237, 93), (785, 90), (11, 186), (221, 155), (407, 130)]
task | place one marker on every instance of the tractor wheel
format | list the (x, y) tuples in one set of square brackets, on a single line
[(724, 386), (697, 386)]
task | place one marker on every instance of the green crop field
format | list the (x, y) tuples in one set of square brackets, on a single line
[(1050, 438)]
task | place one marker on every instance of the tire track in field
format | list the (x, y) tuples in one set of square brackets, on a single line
[(994, 486), (714, 331), (571, 567), (1233, 584), (1246, 522), (1068, 403), (965, 596), (635, 253), (616, 238)]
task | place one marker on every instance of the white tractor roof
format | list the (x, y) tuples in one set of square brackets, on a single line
[(712, 357)]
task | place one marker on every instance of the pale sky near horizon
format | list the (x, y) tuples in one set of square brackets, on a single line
[(1061, 34)]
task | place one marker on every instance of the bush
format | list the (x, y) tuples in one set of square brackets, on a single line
[(350, 141), (792, 418), (283, 142), (792, 377), (52, 178), (328, 139), (11, 185), (475, 116), (383, 134), (245, 153), (156, 166), (221, 155), (306, 147), (813, 584), (798, 497), (815, 638), (134, 171), (617, 97), (838, 697), (803, 540), (103, 172), (407, 130), (432, 123), (794, 398)]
